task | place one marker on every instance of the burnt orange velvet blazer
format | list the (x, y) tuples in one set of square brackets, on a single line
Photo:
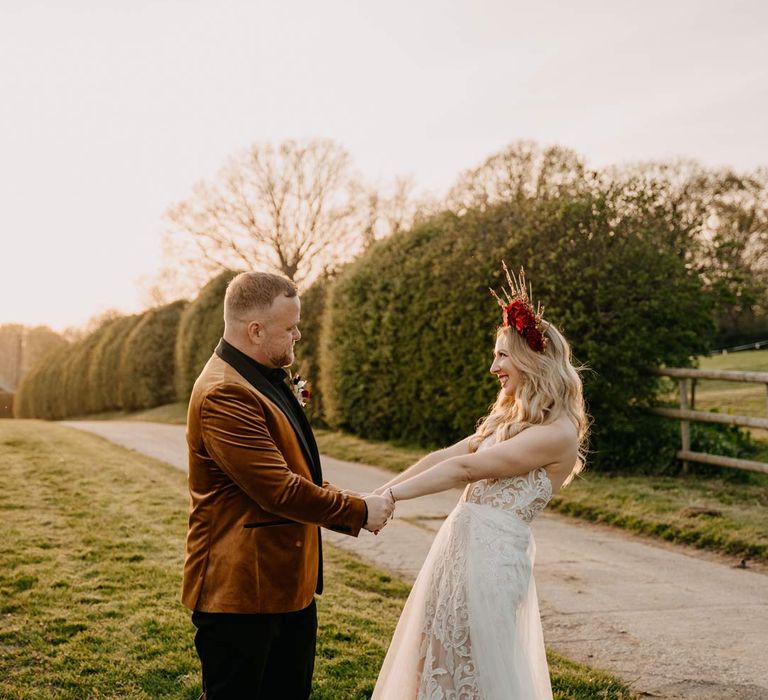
[(253, 543)]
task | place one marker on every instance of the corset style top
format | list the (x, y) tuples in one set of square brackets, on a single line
[(524, 495)]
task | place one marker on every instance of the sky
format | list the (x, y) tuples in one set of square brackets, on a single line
[(110, 111)]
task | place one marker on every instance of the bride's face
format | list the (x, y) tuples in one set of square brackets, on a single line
[(503, 367)]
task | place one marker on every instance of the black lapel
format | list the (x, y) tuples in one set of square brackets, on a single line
[(238, 362)]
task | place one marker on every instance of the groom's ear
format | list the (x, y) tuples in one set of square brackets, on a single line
[(255, 332)]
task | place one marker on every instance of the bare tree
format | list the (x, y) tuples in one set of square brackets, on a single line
[(523, 170), (174, 281), (724, 232), (386, 210), (725, 213), (287, 208)]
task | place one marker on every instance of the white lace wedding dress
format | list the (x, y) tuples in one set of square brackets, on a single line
[(471, 629)]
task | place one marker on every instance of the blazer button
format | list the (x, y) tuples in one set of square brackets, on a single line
[(298, 543)]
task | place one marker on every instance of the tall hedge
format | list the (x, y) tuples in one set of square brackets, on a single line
[(41, 392), (23, 400), (104, 377), (76, 391), (6, 404), (408, 334), (147, 359), (127, 363), (307, 349), (391, 317), (200, 327)]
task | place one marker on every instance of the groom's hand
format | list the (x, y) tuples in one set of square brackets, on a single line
[(380, 509), (350, 492)]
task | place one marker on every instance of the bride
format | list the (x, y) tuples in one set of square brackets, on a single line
[(471, 627)]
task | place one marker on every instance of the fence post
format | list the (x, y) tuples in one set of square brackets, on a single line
[(685, 426)]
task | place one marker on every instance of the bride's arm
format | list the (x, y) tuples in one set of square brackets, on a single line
[(433, 458), (537, 446)]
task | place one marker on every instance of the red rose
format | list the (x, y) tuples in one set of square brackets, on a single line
[(518, 316), (524, 319), (535, 338)]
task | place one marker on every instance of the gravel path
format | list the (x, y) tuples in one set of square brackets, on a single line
[(671, 622)]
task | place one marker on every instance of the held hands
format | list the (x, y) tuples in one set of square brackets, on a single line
[(380, 509)]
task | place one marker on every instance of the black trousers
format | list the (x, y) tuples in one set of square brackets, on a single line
[(257, 657)]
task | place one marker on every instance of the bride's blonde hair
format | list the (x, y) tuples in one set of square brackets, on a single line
[(550, 387)]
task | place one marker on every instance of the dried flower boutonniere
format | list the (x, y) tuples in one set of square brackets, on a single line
[(300, 390)]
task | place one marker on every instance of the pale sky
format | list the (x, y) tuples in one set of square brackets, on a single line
[(110, 110)]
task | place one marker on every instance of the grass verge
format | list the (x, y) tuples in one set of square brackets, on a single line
[(705, 512), (173, 413), (90, 572), (351, 448), (714, 513)]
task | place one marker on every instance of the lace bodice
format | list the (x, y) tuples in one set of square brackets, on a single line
[(524, 495)]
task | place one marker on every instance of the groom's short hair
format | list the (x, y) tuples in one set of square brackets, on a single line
[(254, 291)]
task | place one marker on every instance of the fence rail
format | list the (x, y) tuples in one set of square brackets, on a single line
[(687, 413)]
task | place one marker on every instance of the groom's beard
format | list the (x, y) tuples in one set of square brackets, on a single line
[(284, 360)]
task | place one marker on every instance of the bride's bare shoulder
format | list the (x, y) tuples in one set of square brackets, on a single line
[(561, 430), (564, 425)]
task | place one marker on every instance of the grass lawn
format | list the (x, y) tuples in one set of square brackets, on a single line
[(90, 568)]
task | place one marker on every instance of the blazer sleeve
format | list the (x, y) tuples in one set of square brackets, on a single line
[(236, 436)]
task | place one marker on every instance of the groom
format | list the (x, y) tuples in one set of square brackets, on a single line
[(253, 554)]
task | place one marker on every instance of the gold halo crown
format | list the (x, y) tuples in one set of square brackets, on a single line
[(518, 311)]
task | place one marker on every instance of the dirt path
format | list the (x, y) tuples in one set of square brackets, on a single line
[(672, 623)]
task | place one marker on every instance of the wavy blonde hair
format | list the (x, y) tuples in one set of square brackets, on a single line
[(550, 387)]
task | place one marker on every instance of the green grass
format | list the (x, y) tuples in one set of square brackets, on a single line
[(662, 507), (90, 567), (744, 361), (351, 448)]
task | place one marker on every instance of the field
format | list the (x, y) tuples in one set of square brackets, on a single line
[(90, 568), (735, 397)]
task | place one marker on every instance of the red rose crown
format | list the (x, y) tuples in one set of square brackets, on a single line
[(518, 313)]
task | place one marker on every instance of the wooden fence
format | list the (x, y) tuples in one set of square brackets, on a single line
[(687, 413)]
